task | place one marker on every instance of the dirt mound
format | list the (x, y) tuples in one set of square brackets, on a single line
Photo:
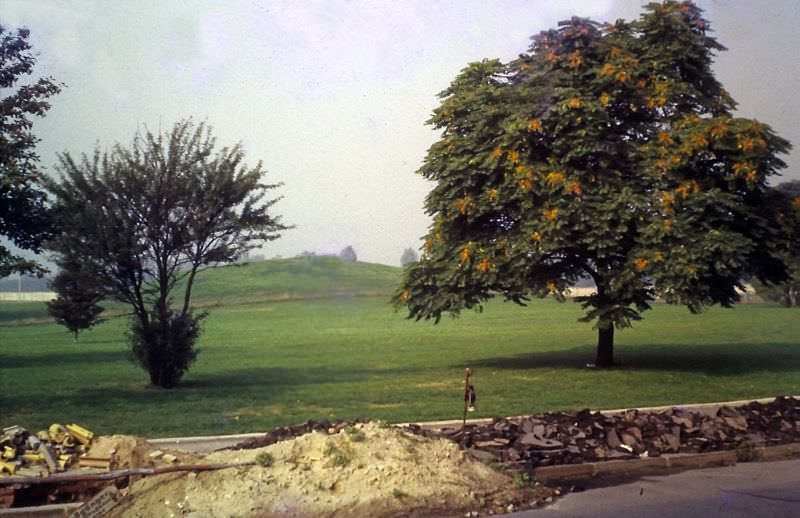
[(366, 470), (134, 452)]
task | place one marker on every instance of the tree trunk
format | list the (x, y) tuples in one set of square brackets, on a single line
[(605, 346)]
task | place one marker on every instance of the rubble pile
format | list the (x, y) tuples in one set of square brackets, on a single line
[(584, 436), (47, 452)]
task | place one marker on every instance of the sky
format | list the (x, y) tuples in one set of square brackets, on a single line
[(332, 96)]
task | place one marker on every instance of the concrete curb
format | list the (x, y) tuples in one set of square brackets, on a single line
[(663, 465)]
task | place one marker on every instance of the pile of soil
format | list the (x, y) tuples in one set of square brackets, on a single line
[(366, 470)]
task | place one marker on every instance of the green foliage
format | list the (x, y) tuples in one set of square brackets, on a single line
[(607, 152), (338, 456), (78, 295), (355, 434), (409, 256), (146, 220), (23, 217), (164, 345), (348, 254), (522, 480), (786, 200), (265, 459)]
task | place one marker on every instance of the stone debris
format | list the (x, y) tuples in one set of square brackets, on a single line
[(584, 436)]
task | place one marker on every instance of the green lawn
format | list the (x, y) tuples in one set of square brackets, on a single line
[(275, 363)]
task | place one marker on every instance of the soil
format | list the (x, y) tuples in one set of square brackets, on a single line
[(364, 470)]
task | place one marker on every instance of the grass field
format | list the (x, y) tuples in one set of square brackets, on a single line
[(316, 346)]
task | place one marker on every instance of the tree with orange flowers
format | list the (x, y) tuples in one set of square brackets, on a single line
[(605, 151)]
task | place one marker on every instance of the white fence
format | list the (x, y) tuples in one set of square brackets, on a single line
[(26, 296)]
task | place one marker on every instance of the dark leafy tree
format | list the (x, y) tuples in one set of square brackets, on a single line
[(348, 254), (787, 203), (146, 219), (76, 306), (607, 151), (409, 256), (23, 217)]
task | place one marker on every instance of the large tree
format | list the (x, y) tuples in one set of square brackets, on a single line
[(144, 220), (605, 151), (23, 217)]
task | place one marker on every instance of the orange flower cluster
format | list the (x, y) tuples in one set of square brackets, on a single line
[(492, 194), (465, 253), (665, 138), (513, 156), (718, 129), (608, 70), (525, 184), (496, 153), (574, 60), (575, 188), (685, 188), (535, 125), (698, 140), (574, 102), (555, 178), (551, 286), (550, 214), (485, 265), (641, 263), (604, 99), (404, 296), (749, 143), (659, 101), (741, 168), (462, 204), (536, 236)]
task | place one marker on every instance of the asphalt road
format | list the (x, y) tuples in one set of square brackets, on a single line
[(758, 489)]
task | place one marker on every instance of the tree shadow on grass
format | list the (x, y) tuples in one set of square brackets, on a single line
[(710, 359), (264, 385), (83, 357)]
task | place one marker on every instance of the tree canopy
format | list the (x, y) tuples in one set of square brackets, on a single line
[(409, 256), (77, 303), (348, 254), (604, 151), (23, 215), (786, 200), (146, 219)]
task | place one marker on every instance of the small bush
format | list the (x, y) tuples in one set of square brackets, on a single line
[(745, 452), (338, 457), (522, 480), (164, 346), (264, 459), (355, 434)]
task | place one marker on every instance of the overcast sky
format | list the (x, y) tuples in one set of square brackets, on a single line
[(333, 95)]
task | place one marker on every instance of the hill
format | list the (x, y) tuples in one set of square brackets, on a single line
[(293, 279)]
